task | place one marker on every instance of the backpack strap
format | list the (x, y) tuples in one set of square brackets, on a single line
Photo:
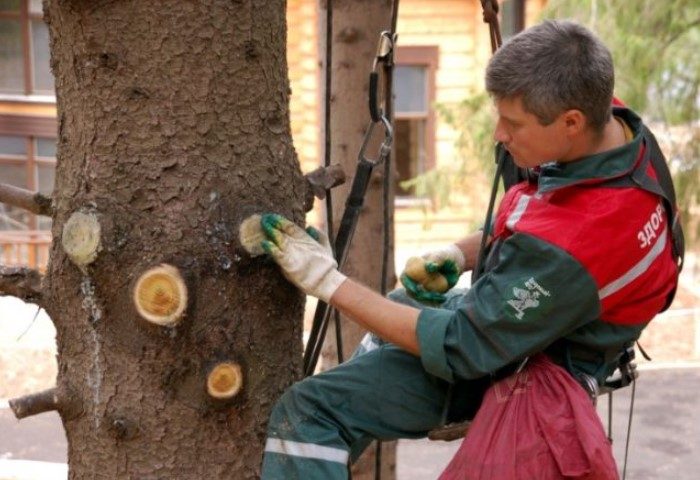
[(661, 186), (665, 181)]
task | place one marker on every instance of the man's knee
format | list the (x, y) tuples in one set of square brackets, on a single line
[(290, 408)]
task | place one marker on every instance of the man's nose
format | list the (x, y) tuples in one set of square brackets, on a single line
[(500, 134)]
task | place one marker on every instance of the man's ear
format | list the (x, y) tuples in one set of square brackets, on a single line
[(574, 121)]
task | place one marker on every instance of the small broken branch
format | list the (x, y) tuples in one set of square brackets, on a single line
[(61, 399), (21, 282), (320, 181), (35, 403), (34, 202)]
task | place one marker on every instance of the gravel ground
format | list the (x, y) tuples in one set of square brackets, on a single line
[(666, 429)]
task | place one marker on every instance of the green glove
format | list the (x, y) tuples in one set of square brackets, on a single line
[(429, 276), (417, 291), (305, 257)]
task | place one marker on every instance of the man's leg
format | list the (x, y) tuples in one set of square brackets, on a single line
[(322, 421)]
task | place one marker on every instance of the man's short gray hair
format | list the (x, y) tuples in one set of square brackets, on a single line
[(555, 66)]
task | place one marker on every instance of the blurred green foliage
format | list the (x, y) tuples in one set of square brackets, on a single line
[(655, 46)]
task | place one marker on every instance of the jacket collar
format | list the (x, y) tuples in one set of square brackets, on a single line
[(595, 168)]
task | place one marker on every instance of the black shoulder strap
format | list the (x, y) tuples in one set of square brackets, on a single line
[(654, 155), (662, 186), (512, 174)]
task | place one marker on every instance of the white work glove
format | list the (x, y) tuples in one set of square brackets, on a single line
[(305, 257), (432, 274)]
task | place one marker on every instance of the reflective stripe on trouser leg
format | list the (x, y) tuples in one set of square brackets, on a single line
[(320, 421), (290, 460)]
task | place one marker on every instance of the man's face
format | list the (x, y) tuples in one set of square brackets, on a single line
[(529, 142)]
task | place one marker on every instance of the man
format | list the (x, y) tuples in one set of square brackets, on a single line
[(580, 260)]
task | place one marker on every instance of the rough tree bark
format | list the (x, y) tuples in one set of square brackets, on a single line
[(173, 127), (356, 28)]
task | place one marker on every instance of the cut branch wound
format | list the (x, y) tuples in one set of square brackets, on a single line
[(21, 282), (160, 295), (33, 202), (225, 380), (320, 181), (251, 235), (81, 238)]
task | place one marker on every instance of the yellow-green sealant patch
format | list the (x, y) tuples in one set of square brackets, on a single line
[(81, 238), (251, 235)]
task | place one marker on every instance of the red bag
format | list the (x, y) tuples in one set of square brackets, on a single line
[(538, 424)]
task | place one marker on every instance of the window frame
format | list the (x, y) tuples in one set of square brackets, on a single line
[(25, 18), (30, 128), (426, 56)]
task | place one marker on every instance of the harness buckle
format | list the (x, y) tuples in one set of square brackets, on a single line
[(626, 372), (590, 385)]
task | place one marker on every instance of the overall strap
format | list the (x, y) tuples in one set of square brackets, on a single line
[(653, 153), (662, 186)]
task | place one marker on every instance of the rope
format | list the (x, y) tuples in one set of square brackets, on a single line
[(490, 14), (629, 429), (610, 407)]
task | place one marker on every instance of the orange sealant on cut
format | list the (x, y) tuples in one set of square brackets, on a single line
[(160, 295), (225, 380)]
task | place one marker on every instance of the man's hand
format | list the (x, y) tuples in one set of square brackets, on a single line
[(305, 257), (428, 277)]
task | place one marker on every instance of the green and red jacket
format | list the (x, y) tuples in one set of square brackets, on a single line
[(581, 256)]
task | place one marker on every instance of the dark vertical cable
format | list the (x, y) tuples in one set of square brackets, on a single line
[(327, 114), (610, 415), (338, 337), (386, 197), (629, 429), (389, 113), (327, 154)]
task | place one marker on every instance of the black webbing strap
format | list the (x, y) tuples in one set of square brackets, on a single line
[(355, 201), (661, 186), (668, 192), (346, 230)]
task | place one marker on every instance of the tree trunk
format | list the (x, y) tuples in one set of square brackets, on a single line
[(356, 29), (173, 128)]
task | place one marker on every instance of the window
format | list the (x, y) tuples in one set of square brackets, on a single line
[(27, 162), (24, 49), (414, 122), (512, 17)]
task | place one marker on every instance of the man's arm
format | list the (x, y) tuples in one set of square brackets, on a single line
[(469, 246), (391, 321)]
